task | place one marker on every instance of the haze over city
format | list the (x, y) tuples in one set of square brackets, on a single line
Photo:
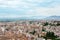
[(29, 19)]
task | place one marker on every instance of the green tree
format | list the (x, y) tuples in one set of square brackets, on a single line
[(33, 32), (43, 29), (45, 24), (50, 35), (58, 24)]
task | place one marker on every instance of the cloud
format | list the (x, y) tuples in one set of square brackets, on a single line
[(22, 3), (30, 7), (7, 3), (44, 11)]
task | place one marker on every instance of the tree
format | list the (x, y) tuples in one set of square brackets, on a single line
[(45, 24), (33, 32), (43, 29), (31, 22), (50, 35), (58, 24)]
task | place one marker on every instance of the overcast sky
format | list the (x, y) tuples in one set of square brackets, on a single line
[(29, 8)]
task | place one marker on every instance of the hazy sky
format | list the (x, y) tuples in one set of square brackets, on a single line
[(29, 8)]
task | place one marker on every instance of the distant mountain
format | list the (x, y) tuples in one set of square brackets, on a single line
[(57, 18), (21, 18)]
